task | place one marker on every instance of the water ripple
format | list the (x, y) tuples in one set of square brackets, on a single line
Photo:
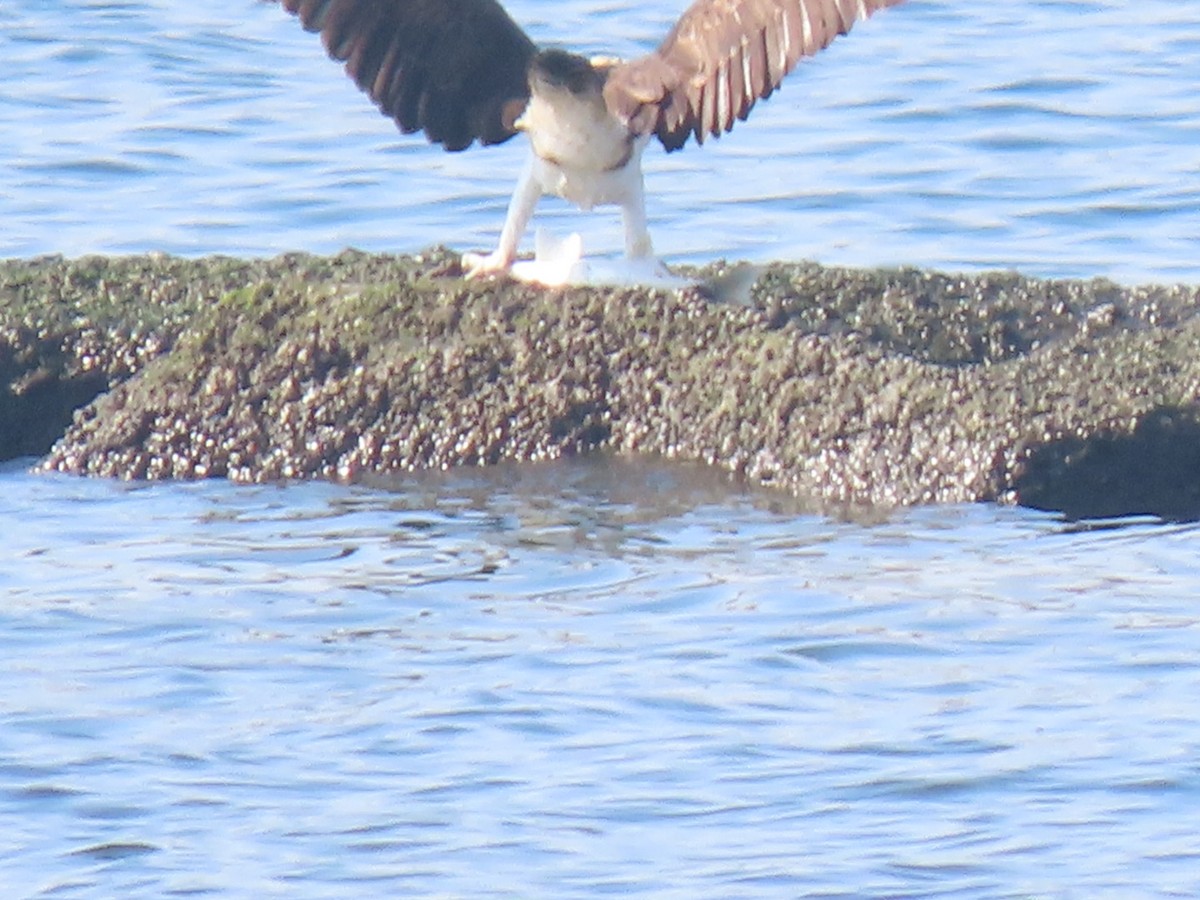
[(582, 678)]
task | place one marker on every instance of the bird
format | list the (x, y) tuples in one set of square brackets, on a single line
[(465, 73)]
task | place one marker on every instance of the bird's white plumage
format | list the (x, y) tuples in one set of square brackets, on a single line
[(583, 155)]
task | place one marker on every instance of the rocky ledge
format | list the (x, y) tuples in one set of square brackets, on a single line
[(843, 387)]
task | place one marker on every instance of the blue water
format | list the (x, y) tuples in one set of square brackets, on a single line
[(1055, 137), (587, 680), (590, 678)]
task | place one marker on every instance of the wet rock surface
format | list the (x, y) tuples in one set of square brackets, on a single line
[(845, 388)]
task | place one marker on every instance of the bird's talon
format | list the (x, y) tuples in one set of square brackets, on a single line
[(476, 265)]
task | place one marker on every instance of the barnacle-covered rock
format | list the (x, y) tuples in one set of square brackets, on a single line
[(842, 387)]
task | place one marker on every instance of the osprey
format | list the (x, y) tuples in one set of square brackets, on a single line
[(463, 71)]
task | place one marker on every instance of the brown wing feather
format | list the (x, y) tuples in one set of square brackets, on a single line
[(720, 58), (455, 69)]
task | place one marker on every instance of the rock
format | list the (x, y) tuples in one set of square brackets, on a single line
[(845, 388)]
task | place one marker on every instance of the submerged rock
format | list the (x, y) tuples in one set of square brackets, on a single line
[(843, 387)]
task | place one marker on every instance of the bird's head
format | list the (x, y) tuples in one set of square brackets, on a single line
[(553, 71)]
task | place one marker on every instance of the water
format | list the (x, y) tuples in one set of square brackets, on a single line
[(586, 679), (593, 678), (1057, 138)]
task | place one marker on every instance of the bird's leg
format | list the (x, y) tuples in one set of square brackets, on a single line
[(639, 251), (520, 209), (633, 213)]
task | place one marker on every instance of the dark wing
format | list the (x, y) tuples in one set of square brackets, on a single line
[(455, 69), (721, 57)]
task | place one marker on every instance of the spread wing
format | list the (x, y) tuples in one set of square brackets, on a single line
[(720, 58), (455, 69)]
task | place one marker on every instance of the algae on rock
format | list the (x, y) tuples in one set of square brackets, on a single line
[(843, 387)]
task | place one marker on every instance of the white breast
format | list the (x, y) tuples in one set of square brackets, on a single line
[(581, 153), (586, 186)]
